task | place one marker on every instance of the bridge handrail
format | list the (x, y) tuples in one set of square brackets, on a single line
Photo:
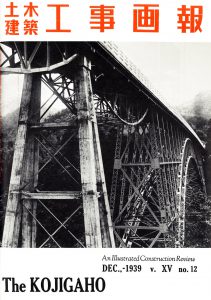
[(135, 71)]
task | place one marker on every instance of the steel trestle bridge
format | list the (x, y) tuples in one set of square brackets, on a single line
[(118, 168)]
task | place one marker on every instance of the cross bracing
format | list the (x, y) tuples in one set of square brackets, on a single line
[(120, 170)]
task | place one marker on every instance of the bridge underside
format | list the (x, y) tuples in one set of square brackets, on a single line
[(115, 168)]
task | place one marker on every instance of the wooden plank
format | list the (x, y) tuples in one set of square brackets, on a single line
[(105, 212), (23, 69), (87, 160), (12, 217), (34, 52), (30, 168), (26, 224), (137, 227), (149, 164), (43, 126), (34, 225), (52, 195)]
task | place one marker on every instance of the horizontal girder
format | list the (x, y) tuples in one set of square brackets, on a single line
[(47, 57)]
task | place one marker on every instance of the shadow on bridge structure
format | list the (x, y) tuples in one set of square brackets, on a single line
[(116, 168)]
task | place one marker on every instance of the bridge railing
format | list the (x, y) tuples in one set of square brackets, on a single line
[(135, 71), (125, 61)]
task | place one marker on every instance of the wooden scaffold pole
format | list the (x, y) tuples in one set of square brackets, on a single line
[(97, 219), (24, 167)]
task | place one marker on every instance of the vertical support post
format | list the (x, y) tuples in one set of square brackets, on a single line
[(105, 212), (208, 164), (115, 170), (84, 100), (31, 166), (13, 210)]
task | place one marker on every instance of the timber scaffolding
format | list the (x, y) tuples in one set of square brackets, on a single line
[(154, 168)]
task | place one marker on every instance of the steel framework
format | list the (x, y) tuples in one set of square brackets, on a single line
[(115, 134)]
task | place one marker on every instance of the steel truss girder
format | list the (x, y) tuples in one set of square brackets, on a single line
[(191, 186), (150, 173), (164, 157)]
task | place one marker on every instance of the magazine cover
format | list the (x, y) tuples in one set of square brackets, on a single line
[(105, 169)]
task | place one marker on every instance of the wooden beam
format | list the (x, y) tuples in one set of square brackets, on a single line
[(43, 126), (24, 70), (84, 98), (73, 195), (137, 227), (30, 168), (13, 210), (105, 213)]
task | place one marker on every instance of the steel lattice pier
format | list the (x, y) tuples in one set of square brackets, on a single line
[(117, 168)]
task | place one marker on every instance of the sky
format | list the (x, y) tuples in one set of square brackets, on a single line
[(180, 71)]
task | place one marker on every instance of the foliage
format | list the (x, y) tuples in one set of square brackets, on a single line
[(49, 177)]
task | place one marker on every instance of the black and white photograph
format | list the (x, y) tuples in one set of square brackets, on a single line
[(105, 149), (105, 145)]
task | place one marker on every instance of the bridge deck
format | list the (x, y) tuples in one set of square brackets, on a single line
[(135, 73), (106, 53)]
